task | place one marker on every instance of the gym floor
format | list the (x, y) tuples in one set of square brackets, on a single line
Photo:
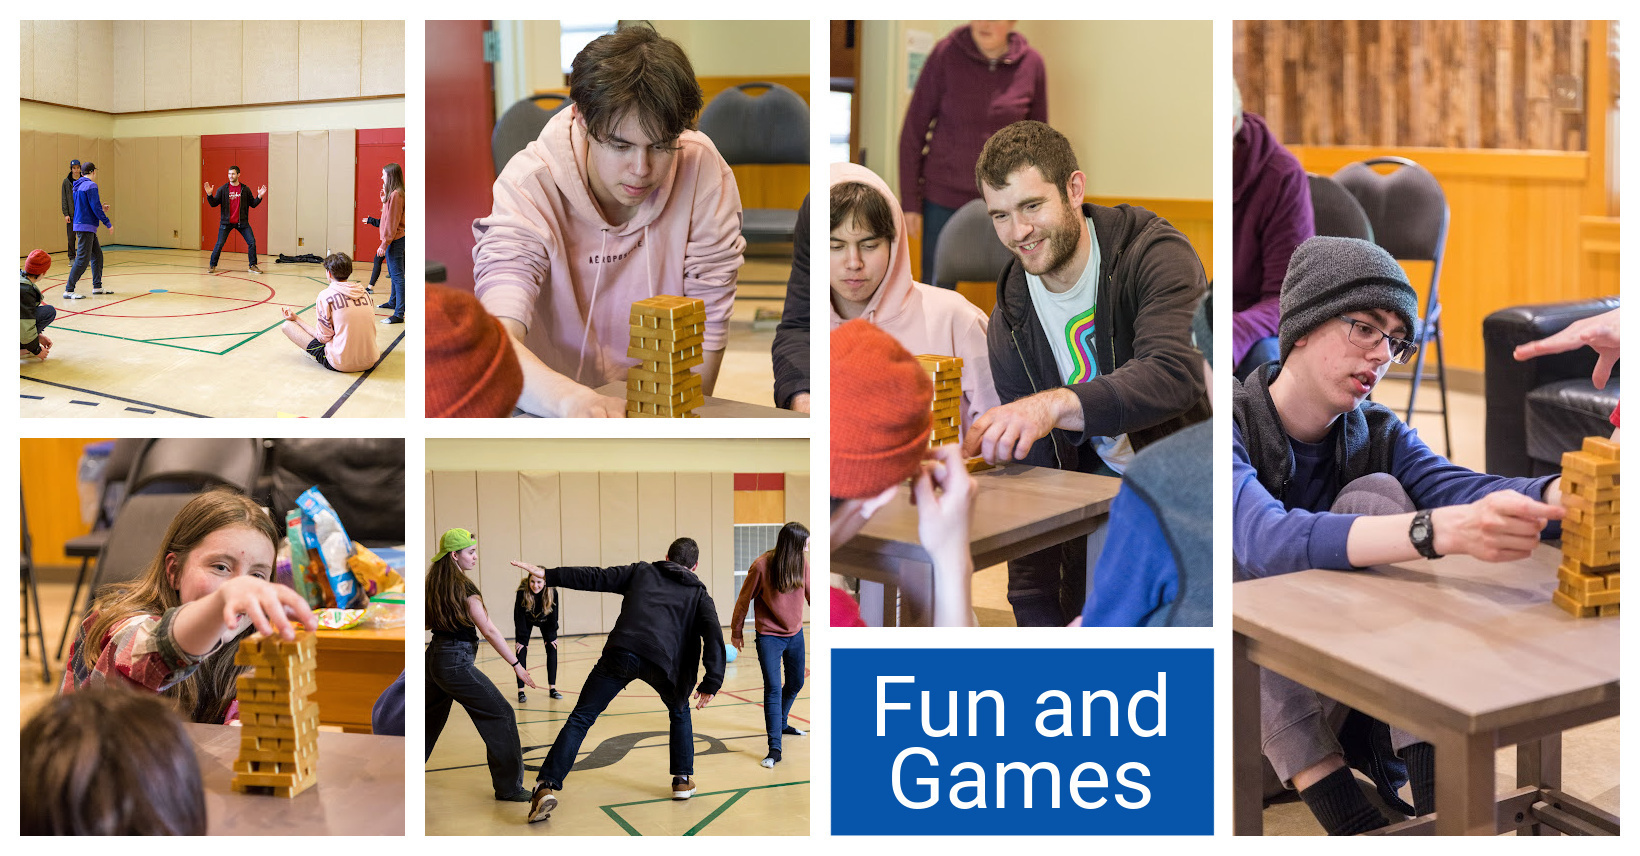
[(621, 784), (173, 340)]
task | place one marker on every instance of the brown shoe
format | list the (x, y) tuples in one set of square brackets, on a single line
[(255, 269), (683, 787), (542, 802)]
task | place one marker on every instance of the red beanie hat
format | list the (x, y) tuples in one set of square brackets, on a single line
[(38, 263), (471, 367), (881, 410)]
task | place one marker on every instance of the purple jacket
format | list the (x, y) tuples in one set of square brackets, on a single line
[(968, 98), (1272, 217)]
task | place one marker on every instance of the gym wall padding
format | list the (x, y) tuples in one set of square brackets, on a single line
[(583, 611), (797, 499), (215, 71), (617, 536), (330, 53), (167, 65), (722, 578), (42, 163), (25, 56), (339, 192), (271, 78), (540, 511), (382, 71), (282, 172), (657, 517), (497, 525)]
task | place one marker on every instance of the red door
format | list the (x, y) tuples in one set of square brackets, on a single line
[(249, 152), (460, 116), (376, 148)]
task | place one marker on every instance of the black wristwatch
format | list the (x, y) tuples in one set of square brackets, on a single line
[(1422, 534)]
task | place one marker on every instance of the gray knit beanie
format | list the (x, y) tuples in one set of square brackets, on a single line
[(1331, 276)]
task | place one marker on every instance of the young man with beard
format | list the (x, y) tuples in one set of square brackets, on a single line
[(236, 202), (1323, 478), (1090, 341)]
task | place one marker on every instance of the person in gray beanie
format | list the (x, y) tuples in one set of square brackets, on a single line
[(1324, 478)]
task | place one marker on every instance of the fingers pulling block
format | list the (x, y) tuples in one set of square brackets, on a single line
[(668, 339), (279, 721), (1589, 542)]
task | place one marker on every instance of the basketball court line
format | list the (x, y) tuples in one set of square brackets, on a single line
[(111, 397), (361, 379), (706, 821)]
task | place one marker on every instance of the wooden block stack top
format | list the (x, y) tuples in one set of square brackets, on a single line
[(1589, 559), (667, 334), (279, 733), (947, 375)]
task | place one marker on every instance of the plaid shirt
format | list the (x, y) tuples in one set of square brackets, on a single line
[(141, 652)]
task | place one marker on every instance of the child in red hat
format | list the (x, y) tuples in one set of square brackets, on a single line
[(36, 313)]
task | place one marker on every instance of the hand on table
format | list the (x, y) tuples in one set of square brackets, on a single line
[(1006, 432), (1499, 527), (588, 404), (1601, 332)]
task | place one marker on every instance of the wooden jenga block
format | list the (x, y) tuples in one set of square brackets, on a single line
[(279, 723), (938, 363), (1602, 447), (1610, 609), (948, 392), (977, 464), (667, 334), (674, 400), (941, 436), (1576, 609), (1586, 464), (1580, 585), (669, 306), (665, 377), (673, 352)]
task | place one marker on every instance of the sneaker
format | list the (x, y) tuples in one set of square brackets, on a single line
[(683, 787), (384, 306), (97, 289), (516, 796), (212, 270), (556, 694), (521, 698), (795, 732), (71, 295), (255, 269), (542, 802), (395, 319), (773, 759)]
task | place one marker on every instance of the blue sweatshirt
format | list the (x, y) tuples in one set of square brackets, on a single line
[(1271, 538), (88, 210), (1136, 573)]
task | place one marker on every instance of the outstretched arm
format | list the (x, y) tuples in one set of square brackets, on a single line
[(583, 578), (509, 653), (1601, 332)]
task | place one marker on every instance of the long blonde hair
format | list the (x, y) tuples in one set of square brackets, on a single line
[(205, 695), (537, 605)]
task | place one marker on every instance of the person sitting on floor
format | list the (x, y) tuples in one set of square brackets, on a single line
[(344, 340), (35, 312)]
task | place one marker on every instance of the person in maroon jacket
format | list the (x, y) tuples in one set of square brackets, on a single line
[(236, 204), (977, 80), (1272, 216)]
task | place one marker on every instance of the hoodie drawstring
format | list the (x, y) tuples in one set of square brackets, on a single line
[(597, 278), (647, 269)]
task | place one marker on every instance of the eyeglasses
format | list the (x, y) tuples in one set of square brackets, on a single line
[(1366, 337)]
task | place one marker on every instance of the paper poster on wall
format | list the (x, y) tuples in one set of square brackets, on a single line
[(918, 44)]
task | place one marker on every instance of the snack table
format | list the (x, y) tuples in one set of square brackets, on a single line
[(360, 790), (355, 666), (1466, 654), (1018, 509)]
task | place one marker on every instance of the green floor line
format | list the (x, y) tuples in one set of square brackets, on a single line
[(737, 794), (615, 816), (274, 327), (707, 820), (202, 336), (145, 341)]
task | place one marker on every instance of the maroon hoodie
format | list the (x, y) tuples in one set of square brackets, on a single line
[(1272, 216), (968, 98)]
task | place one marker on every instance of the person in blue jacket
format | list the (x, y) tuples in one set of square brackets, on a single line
[(89, 210), (1323, 478)]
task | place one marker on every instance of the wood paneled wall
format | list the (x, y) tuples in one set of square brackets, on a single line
[(133, 66), (1451, 84), (598, 519), (42, 165)]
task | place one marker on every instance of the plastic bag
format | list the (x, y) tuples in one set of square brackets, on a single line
[(328, 549), (386, 611)]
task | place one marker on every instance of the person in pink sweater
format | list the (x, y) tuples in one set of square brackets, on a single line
[(778, 582), (345, 338), (871, 279), (617, 201)]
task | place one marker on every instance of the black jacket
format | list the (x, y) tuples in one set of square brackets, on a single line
[(247, 201), (522, 615), (68, 197), (1150, 380), (791, 338), (666, 618)]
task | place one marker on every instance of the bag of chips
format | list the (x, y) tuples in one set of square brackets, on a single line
[(327, 542)]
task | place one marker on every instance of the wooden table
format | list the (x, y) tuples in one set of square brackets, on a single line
[(1467, 655), (360, 790), (355, 666), (1017, 510), (711, 408)]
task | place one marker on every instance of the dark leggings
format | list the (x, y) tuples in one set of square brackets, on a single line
[(522, 625)]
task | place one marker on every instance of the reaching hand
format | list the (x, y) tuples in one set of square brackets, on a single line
[(268, 606), (1006, 432), (522, 566), (944, 496), (1601, 332), (800, 403), (1500, 527)]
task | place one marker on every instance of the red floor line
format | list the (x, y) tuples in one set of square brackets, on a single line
[(88, 312)]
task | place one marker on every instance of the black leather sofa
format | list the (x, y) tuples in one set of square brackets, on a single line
[(1540, 408)]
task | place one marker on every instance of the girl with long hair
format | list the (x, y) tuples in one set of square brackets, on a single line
[(778, 582), (175, 630), (536, 607), (456, 615), (392, 235)]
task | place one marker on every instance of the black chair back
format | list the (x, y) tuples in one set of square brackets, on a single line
[(769, 128), (1406, 207), (968, 249), (1337, 213)]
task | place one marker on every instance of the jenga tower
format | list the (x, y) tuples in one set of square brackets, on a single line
[(947, 375), (667, 334), (279, 740), (1589, 538)]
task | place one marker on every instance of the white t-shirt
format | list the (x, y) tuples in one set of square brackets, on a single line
[(1067, 321)]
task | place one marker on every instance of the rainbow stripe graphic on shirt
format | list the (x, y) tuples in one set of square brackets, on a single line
[(1079, 336)]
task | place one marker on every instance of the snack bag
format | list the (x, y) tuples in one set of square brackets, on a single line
[(330, 543), (372, 572)]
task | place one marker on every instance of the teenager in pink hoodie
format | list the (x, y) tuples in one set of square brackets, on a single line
[(618, 200), (345, 337), (871, 279)]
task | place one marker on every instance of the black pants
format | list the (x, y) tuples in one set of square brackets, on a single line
[(71, 241), (244, 229), (613, 671), (522, 625), (452, 677)]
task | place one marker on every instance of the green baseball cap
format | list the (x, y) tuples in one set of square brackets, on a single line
[(453, 540)]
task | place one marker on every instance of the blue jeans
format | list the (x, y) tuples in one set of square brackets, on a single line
[(244, 231), (395, 272), (613, 671), (452, 677), (773, 653), (44, 314), (935, 217), (87, 253)]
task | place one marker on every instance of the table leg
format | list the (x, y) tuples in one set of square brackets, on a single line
[(1537, 764), (1247, 771), (876, 604), (1465, 766), (916, 593)]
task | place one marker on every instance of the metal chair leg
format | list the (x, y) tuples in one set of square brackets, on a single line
[(1440, 378), (68, 621), (39, 623)]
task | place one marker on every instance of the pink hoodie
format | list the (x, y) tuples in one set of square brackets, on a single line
[(923, 318), (347, 326), (547, 257)]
